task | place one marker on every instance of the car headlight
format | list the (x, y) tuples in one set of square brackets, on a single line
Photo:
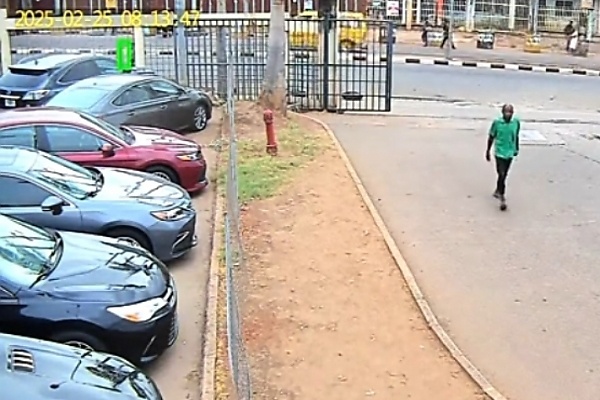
[(188, 157), (35, 94), (174, 214), (138, 312)]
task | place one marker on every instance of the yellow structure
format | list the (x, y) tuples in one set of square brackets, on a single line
[(305, 30), (533, 44)]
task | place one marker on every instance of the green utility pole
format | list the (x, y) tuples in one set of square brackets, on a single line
[(124, 54)]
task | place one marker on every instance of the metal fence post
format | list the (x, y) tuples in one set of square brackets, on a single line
[(180, 44), (139, 47), (5, 56)]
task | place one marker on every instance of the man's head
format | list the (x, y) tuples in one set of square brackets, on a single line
[(507, 112)]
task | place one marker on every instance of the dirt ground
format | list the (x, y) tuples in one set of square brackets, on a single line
[(326, 310)]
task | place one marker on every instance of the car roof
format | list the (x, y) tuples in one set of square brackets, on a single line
[(17, 159), (51, 61), (33, 115), (112, 82)]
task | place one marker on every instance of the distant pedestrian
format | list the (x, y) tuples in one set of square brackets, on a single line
[(569, 33), (446, 34), (425, 33), (504, 136)]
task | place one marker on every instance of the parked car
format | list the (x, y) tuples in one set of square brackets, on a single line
[(40, 77), (42, 370), (136, 207), (86, 291), (89, 141), (139, 100)]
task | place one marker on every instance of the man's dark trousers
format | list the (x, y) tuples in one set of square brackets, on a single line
[(502, 167)]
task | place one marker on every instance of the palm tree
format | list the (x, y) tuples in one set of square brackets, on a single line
[(273, 94)]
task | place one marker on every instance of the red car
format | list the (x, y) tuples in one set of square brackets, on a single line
[(87, 140)]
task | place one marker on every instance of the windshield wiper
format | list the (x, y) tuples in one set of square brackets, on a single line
[(99, 182), (50, 264)]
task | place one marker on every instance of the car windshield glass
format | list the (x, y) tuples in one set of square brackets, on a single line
[(111, 129), (65, 176), (24, 78), (82, 98), (26, 251)]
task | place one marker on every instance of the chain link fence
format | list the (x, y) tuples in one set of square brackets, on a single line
[(234, 254)]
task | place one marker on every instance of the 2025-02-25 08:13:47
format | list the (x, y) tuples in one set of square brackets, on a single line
[(72, 19)]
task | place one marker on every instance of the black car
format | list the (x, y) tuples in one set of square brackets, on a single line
[(91, 292), (37, 79), (135, 99), (40, 370)]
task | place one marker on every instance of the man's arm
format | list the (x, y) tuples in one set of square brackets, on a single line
[(517, 137), (490, 141)]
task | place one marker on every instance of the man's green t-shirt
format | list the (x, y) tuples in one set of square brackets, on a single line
[(505, 136)]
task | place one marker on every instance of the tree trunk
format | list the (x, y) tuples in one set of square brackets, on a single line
[(273, 95)]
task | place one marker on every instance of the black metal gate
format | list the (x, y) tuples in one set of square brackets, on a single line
[(332, 64)]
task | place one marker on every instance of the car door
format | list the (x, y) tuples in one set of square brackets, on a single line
[(24, 136), (24, 201), (176, 109), (82, 146), (134, 106)]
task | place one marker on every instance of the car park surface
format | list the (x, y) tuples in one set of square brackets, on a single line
[(177, 372), (40, 370), (139, 100), (136, 207), (92, 292), (89, 141), (32, 82)]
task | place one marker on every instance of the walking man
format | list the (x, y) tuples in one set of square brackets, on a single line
[(446, 34), (504, 136)]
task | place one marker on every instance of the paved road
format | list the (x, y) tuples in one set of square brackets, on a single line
[(518, 290), (529, 89), (467, 52)]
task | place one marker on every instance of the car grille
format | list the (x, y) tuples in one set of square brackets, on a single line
[(173, 331)]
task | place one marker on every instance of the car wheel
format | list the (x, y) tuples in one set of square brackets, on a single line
[(165, 173), (80, 340), (200, 118), (131, 237)]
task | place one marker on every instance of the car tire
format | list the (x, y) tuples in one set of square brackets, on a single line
[(200, 121), (80, 340), (164, 172), (131, 236)]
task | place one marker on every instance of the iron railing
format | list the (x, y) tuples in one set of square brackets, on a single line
[(234, 255)]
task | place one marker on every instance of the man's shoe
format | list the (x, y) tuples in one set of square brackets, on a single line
[(497, 195)]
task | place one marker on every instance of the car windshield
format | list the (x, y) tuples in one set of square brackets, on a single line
[(65, 176), (122, 134), (24, 77), (27, 252), (83, 98)]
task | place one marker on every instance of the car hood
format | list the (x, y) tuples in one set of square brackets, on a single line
[(126, 185), (64, 372), (95, 268), (150, 136)]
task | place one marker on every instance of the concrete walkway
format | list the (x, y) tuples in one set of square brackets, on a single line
[(518, 291)]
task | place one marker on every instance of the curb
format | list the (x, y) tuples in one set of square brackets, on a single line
[(497, 65), (209, 350), (415, 290)]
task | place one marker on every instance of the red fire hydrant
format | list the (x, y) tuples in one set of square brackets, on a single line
[(270, 129)]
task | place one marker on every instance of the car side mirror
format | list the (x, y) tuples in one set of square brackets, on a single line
[(107, 150), (53, 204)]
